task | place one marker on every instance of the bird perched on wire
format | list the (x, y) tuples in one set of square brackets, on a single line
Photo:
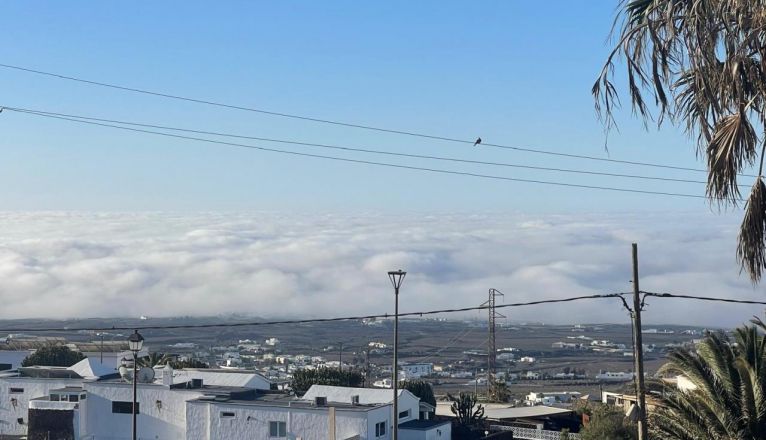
[(478, 141)]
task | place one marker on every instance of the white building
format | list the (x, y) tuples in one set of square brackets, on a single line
[(19, 388), (551, 398), (91, 401), (416, 371), (408, 403), (281, 416), (609, 376)]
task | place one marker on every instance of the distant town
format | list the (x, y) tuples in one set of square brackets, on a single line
[(246, 378)]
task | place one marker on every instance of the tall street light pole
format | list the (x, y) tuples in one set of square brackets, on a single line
[(396, 278), (135, 342)]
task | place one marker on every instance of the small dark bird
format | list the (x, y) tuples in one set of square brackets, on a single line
[(1, 109), (478, 141)]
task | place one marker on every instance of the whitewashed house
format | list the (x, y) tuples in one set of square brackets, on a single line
[(408, 403), (274, 416), (416, 371), (19, 388), (609, 376)]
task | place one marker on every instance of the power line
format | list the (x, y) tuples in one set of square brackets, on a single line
[(306, 321), (378, 316), (702, 298), (347, 124), (356, 149), (382, 164), (449, 344)]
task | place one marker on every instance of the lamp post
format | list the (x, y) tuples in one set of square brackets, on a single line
[(396, 278), (135, 342)]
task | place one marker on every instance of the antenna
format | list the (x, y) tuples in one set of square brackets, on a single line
[(491, 347)]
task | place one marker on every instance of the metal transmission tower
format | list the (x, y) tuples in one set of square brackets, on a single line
[(491, 348)]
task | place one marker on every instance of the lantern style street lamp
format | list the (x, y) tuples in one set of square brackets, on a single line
[(135, 343)]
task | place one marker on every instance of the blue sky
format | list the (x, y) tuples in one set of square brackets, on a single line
[(515, 73)]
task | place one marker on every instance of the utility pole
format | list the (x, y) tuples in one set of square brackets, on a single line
[(491, 347), (102, 347), (340, 357), (638, 351)]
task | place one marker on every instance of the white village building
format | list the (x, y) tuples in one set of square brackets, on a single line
[(91, 401)]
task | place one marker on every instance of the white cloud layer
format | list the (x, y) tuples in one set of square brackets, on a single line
[(61, 265)]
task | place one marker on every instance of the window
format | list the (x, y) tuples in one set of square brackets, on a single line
[(226, 415), (64, 398), (16, 390), (55, 398), (125, 407), (83, 396), (74, 398), (404, 414), (277, 429), (380, 429)]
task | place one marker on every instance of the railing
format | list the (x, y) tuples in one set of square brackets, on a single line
[(532, 434)]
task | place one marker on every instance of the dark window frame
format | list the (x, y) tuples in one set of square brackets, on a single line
[(121, 407), (281, 429)]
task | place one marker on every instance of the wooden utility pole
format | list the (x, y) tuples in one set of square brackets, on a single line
[(638, 351)]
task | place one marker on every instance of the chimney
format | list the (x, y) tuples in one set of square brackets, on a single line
[(355, 399), (167, 375)]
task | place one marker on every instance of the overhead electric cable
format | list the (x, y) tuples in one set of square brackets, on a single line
[(703, 298), (347, 124), (356, 149), (382, 164), (308, 321)]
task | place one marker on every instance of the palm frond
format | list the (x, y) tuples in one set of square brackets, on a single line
[(751, 249), (732, 147)]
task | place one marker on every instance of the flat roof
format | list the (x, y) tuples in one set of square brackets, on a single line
[(205, 389), (287, 401), (423, 425), (68, 390)]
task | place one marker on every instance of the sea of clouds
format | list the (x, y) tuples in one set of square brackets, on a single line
[(63, 265)]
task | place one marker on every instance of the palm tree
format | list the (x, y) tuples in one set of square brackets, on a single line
[(154, 359), (729, 401), (704, 65)]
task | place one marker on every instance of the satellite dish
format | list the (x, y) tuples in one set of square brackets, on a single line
[(146, 375)]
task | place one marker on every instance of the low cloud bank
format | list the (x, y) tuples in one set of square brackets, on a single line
[(61, 265)]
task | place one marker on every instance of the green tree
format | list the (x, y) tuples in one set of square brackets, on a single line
[(53, 356), (188, 363), (303, 379), (608, 423), (703, 63), (498, 391), (421, 389), (729, 401), (466, 409), (154, 359)]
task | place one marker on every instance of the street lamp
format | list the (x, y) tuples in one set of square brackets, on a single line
[(396, 277), (135, 342)]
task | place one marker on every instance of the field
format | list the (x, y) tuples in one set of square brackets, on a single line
[(442, 342)]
